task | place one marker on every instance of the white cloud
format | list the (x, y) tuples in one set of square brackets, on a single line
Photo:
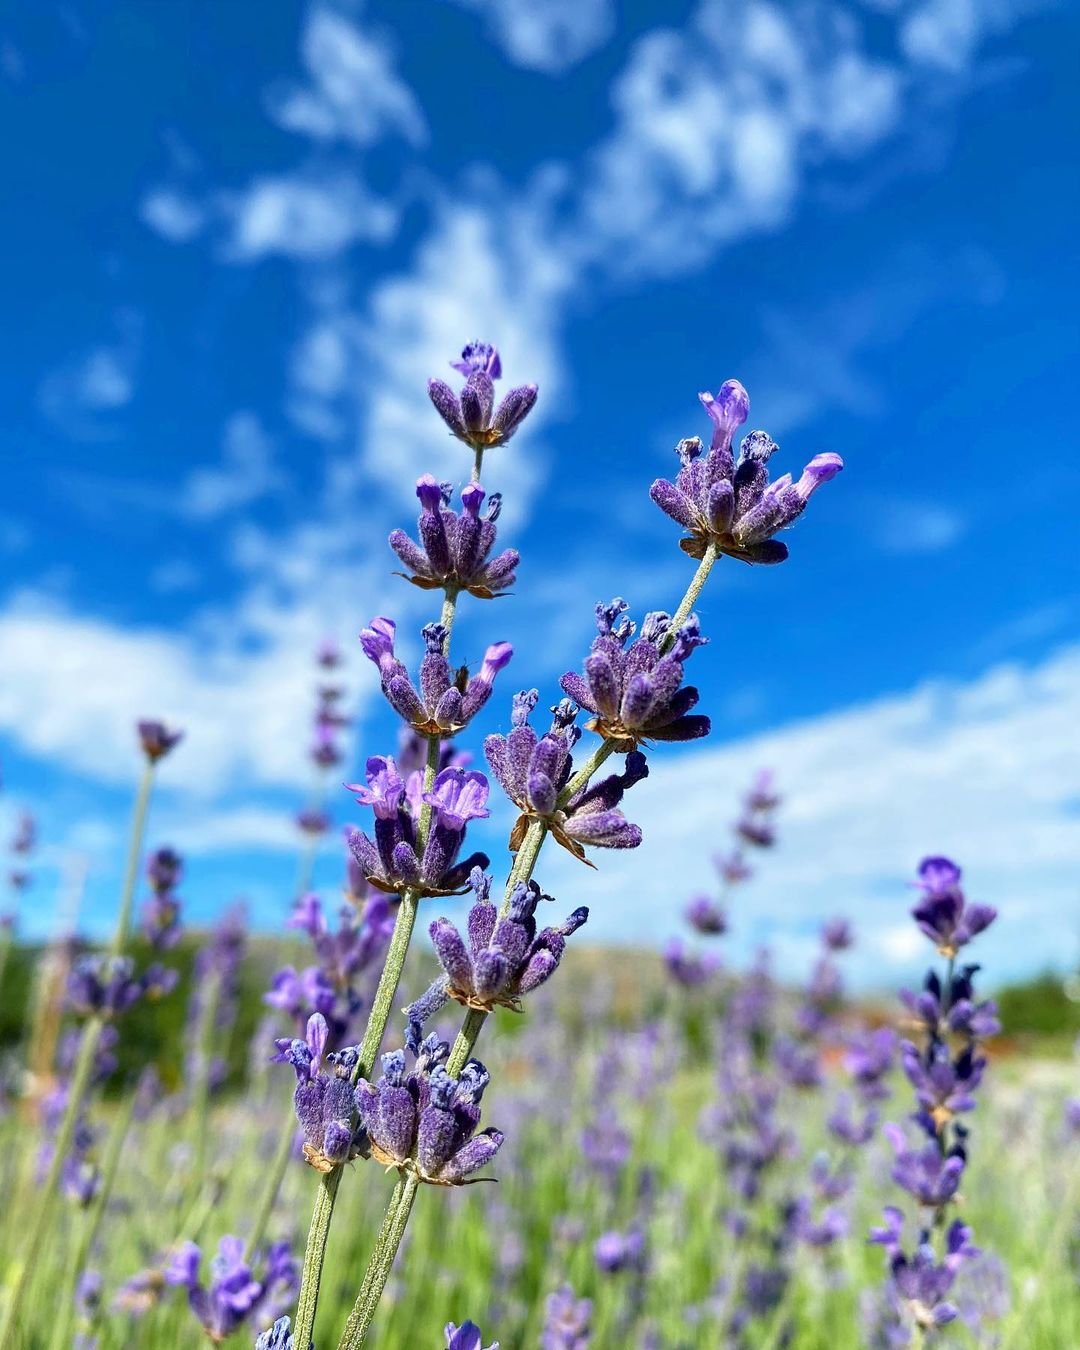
[(355, 94), (81, 395), (985, 772), (918, 527), (303, 217), (176, 216), (547, 35), (178, 574), (246, 474)]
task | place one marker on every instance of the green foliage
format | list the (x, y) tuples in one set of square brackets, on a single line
[(1039, 1006)]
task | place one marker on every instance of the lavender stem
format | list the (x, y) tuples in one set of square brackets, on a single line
[(131, 871), (397, 1214), (381, 1008)]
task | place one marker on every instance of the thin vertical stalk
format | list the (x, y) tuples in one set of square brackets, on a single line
[(131, 870), (84, 1064), (381, 1008), (91, 1223), (382, 1262), (396, 1218), (80, 1081), (200, 1097), (274, 1177)]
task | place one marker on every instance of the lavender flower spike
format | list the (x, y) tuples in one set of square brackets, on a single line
[(534, 770), (157, 739), (472, 416), (390, 862), (454, 552), (466, 1337), (445, 702), (424, 1122), (636, 694), (505, 959), (276, 1337), (234, 1294), (732, 505), (943, 914), (323, 1100)]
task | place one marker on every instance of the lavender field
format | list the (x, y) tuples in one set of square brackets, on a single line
[(685, 1153)]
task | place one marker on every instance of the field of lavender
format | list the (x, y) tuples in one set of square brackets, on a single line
[(474, 1141)]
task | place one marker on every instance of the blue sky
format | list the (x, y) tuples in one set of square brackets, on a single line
[(239, 239)]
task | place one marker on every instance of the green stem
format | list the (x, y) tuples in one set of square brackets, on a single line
[(393, 1228), (381, 1007), (92, 1222), (131, 871), (201, 1090), (397, 1214), (80, 1081), (478, 461), (274, 1177), (318, 1233)]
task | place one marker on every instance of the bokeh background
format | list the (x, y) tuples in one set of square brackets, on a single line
[(236, 241)]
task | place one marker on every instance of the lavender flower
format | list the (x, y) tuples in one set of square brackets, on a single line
[(105, 986), (276, 1337), (706, 916), (472, 416), (157, 739), (234, 1295), (466, 1337), (506, 958), (869, 1059), (918, 1284), (943, 914), (534, 772), (161, 913), (931, 1176), (391, 862), (687, 968), (454, 552), (614, 1252), (637, 695), (731, 506), (446, 702), (424, 1122), (323, 1100), (567, 1321)]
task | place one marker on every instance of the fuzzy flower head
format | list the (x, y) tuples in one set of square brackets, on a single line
[(106, 986), (567, 1321), (424, 1122), (446, 700), (277, 1337), (730, 504), (472, 415), (466, 1337), (454, 548), (157, 739), (534, 772), (635, 692), (160, 918), (688, 968), (706, 916), (394, 861), (234, 1294), (943, 913), (919, 1284), (504, 958), (932, 1177), (324, 1096)]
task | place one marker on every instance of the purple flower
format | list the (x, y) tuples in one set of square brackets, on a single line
[(505, 958), (869, 1059), (446, 701), (25, 835), (105, 986), (312, 821), (943, 914), (467, 1336), (566, 1322), (454, 549), (706, 916), (276, 1337), (324, 1097), (847, 1129), (391, 862), (837, 935), (614, 1252), (687, 968), (932, 1177), (943, 1087), (732, 505), (918, 1284), (234, 1295), (160, 919), (425, 1122), (157, 739), (472, 416), (534, 772), (636, 693)]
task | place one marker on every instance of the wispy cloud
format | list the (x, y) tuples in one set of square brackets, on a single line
[(246, 474), (82, 395), (904, 526), (547, 35)]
